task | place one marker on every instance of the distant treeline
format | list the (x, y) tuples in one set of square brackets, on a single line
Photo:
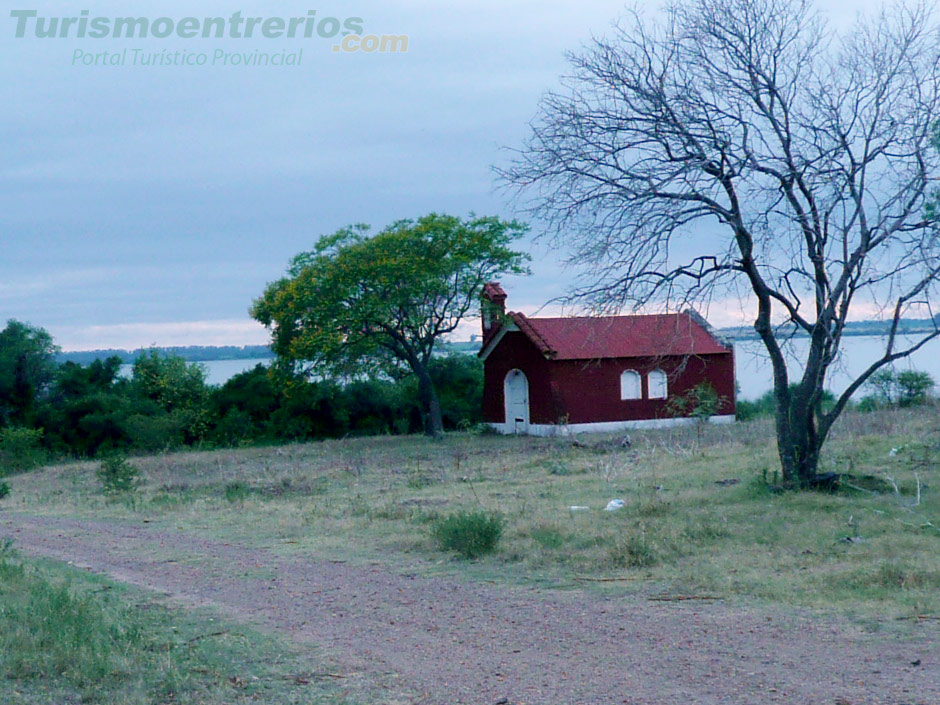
[(911, 326), (166, 404), (190, 353), (51, 409)]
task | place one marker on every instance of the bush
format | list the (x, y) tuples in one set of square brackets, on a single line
[(634, 551), (869, 403), (117, 476), (891, 388), (913, 387), (471, 534), (701, 402), (20, 450), (153, 433), (234, 429), (237, 492), (178, 388), (4, 490), (765, 405)]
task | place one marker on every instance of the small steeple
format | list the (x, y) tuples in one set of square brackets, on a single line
[(492, 307)]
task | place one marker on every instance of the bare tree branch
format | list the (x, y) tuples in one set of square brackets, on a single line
[(743, 141)]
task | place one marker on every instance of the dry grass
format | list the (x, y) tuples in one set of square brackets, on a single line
[(869, 553)]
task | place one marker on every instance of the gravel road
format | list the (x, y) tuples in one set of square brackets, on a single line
[(413, 639)]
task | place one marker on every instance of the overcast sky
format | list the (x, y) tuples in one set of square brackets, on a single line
[(151, 204)]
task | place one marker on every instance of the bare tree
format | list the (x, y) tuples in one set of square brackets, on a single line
[(741, 143)]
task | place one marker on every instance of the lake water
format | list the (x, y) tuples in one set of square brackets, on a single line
[(218, 371), (755, 375), (753, 366)]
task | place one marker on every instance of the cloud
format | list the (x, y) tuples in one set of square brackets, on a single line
[(131, 336)]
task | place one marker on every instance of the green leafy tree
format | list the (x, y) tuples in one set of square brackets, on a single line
[(459, 381), (20, 450), (358, 303), (74, 381), (27, 368), (243, 406), (908, 388), (884, 386), (914, 387), (177, 388)]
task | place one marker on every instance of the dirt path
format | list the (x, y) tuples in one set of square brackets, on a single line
[(441, 641)]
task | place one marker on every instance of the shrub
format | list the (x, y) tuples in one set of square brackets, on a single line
[(557, 466), (237, 492), (766, 406), (471, 534), (883, 386), (117, 476), (419, 479), (153, 433), (634, 551), (701, 402), (4, 490), (868, 404), (913, 387), (763, 406), (890, 388), (20, 450), (235, 428)]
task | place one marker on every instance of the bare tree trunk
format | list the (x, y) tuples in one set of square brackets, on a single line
[(798, 443), (430, 405), (800, 439), (815, 153)]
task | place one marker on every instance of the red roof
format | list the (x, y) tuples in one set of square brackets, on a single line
[(593, 338)]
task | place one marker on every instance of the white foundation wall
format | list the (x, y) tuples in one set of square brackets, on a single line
[(607, 426)]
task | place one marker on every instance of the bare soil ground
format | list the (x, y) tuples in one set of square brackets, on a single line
[(412, 639)]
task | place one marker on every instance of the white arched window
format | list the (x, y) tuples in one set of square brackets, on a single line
[(658, 385), (630, 387)]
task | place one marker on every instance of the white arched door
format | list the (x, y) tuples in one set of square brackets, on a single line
[(516, 392)]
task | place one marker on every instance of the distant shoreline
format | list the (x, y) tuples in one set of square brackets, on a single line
[(190, 353), (852, 328), (211, 353)]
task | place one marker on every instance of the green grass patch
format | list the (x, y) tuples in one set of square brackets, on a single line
[(67, 637), (548, 537)]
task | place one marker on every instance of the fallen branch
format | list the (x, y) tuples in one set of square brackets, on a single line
[(307, 678), (205, 636), (925, 525), (604, 580), (681, 598), (890, 479), (922, 617)]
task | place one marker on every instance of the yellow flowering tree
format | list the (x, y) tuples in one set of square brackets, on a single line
[(360, 303)]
